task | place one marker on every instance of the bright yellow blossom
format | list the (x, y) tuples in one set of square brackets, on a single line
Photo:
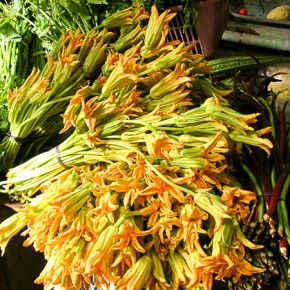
[(10, 227)]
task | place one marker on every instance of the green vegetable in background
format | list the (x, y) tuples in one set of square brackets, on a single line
[(45, 93), (28, 31), (229, 66), (19, 48)]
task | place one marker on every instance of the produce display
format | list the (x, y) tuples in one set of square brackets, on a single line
[(134, 165), (243, 11), (282, 85), (281, 12), (264, 12)]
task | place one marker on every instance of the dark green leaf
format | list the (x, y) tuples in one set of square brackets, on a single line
[(6, 29), (97, 2)]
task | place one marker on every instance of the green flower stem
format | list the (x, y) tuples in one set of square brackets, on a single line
[(283, 209), (271, 117), (261, 203)]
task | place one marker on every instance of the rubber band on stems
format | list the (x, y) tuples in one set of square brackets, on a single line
[(272, 195), (16, 139), (57, 154)]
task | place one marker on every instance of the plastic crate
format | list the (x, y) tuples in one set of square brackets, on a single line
[(208, 31)]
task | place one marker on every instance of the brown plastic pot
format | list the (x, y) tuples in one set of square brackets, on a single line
[(211, 23), (209, 27)]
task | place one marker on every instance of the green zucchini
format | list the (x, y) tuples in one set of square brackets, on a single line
[(228, 66)]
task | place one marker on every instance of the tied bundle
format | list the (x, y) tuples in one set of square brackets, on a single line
[(137, 194)]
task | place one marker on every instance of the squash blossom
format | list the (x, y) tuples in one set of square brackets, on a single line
[(10, 227)]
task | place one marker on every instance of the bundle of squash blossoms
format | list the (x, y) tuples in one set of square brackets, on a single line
[(141, 193)]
